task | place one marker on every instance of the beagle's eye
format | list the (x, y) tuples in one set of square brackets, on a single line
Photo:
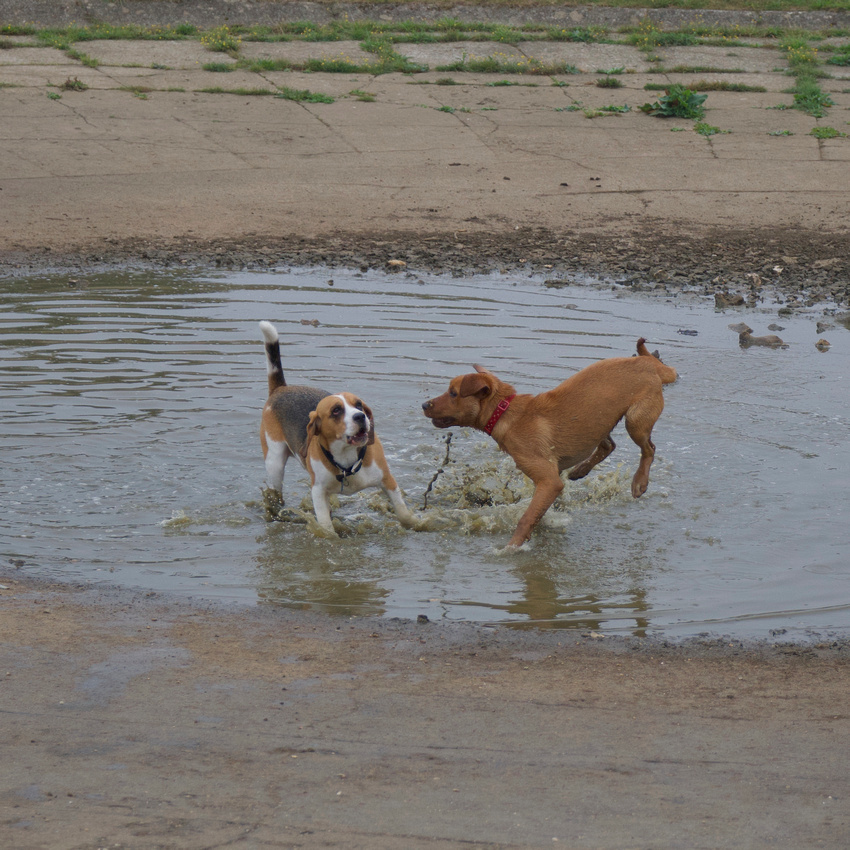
[(358, 404), (337, 411)]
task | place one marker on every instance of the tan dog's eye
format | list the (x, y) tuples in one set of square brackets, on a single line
[(453, 393)]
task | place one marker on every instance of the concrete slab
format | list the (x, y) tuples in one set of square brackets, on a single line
[(522, 132), (41, 76), (744, 59), (588, 58), (447, 53), (148, 54), (335, 85), (21, 56), (299, 52), (189, 80)]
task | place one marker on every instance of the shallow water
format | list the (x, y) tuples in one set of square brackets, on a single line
[(131, 456)]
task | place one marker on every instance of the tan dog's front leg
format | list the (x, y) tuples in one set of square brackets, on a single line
[(547, 488)]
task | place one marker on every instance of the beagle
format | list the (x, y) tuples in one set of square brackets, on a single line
[(333, 436)]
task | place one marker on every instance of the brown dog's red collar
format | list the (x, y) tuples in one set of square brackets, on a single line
[(501, 407)]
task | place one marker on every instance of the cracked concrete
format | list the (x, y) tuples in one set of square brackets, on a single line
[(150, 127)]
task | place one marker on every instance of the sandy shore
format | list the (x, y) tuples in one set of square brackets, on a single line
[(137, 721)]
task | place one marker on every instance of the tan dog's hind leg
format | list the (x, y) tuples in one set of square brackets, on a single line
[(640, 419), (600, 453)]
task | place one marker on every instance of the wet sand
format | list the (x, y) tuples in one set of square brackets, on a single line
[(147, 722)]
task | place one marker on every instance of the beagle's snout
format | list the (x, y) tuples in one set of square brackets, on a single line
[(359, 417)]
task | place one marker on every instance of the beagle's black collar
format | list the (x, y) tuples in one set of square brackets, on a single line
[(346, 471)]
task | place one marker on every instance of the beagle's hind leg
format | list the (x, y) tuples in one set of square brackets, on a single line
[(277, 454)]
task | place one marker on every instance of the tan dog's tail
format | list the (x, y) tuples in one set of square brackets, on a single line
[(275, 369), (666, 373)]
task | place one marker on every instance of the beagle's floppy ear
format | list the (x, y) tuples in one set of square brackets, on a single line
[(368, 411), (475, 385), (314, 426)]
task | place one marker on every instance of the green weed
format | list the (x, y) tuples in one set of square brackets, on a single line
[(335, 66), (219, 67), (141, 92), (73, 85), (678, 102), (708, 129), (840, 57), (303, 96), (809, 98), (827, 133), (221, 40)]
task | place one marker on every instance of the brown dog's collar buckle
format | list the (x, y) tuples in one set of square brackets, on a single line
[(501, 407)]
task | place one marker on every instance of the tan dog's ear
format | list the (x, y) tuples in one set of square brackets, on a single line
[(479, 368), (475, 385), (314, 425), (368, 411)]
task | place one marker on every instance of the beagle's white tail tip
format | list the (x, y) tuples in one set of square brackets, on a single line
[(269, 332)]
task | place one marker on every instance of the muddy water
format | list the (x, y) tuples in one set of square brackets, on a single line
[(131, 456)]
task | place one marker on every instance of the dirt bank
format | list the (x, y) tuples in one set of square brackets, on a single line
[(141, 722)]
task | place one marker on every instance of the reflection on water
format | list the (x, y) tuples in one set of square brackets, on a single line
[(131, 452)]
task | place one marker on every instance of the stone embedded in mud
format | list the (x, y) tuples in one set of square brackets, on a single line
[(746, 340), (822, 345), (726, 299)]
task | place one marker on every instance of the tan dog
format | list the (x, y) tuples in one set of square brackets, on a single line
[(333, 436), (568, 427)]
